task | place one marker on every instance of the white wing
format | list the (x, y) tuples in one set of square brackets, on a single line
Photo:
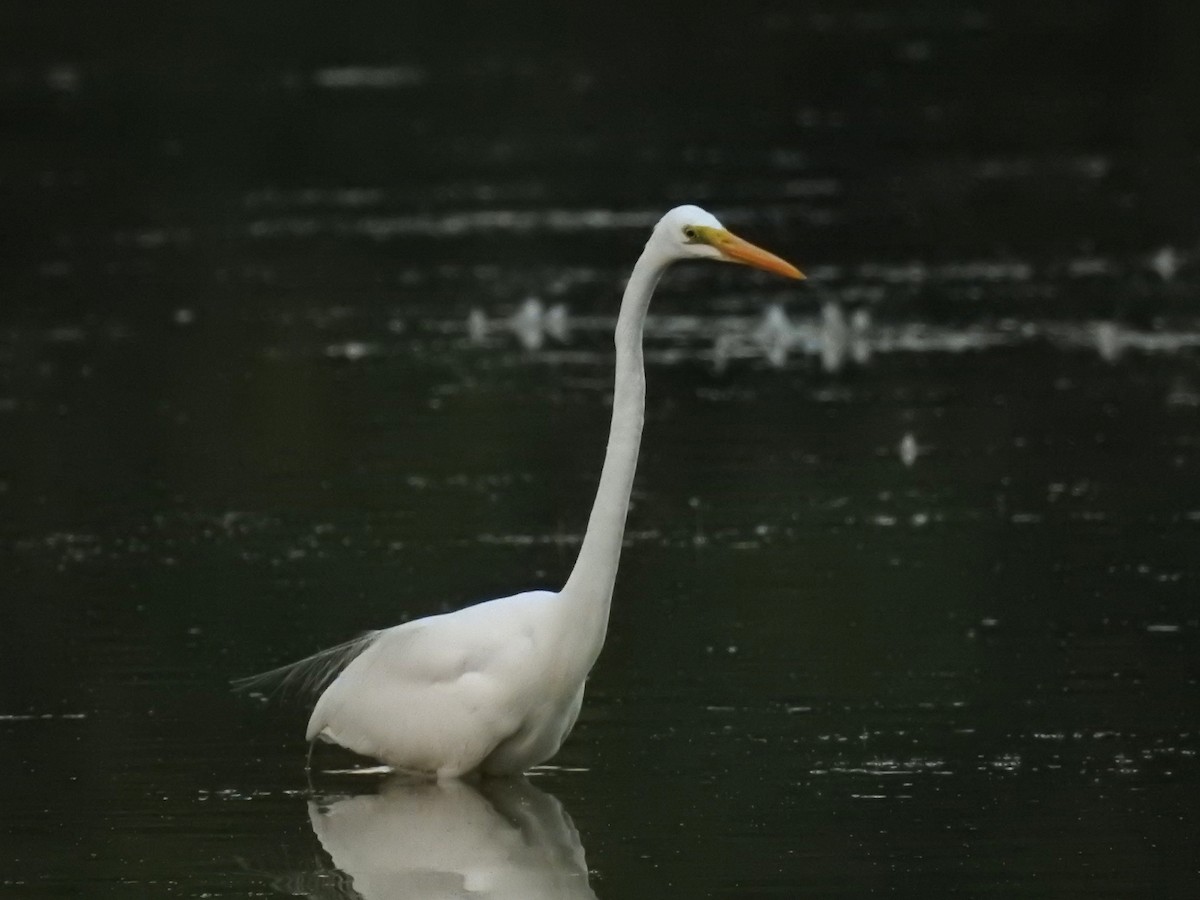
[(438, 694)]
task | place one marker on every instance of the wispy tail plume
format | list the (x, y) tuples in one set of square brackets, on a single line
[(309, 676)]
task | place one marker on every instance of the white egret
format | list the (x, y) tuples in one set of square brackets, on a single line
[(495, 688)]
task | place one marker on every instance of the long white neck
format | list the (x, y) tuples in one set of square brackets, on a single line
[(589, 588)]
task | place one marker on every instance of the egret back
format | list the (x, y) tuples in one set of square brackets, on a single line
[(440, 694)]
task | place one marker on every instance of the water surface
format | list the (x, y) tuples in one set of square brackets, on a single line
[(305, 329)]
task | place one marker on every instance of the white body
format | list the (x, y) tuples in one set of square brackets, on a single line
[(492, 687), (497, 687)]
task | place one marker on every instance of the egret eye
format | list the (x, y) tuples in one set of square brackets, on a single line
[(690, 233)]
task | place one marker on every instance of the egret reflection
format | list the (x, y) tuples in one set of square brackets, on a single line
[(495, 839)]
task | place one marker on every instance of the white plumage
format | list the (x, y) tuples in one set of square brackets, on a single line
[(491, 686), (497, 687)]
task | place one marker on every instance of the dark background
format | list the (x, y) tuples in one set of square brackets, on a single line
[(143, 144), (242, 417)]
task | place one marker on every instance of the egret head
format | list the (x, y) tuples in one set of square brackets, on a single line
[(689, 232)]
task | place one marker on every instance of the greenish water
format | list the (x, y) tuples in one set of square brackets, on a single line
[(305, 329), (834, 667)]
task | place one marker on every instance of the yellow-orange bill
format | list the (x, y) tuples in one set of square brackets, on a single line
[(735, 249)]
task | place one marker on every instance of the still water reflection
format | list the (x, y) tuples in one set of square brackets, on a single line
[(495, 840)]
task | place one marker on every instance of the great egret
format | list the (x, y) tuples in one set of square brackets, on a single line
[(496, 687)]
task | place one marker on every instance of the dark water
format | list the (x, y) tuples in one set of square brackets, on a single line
[(305, 329)]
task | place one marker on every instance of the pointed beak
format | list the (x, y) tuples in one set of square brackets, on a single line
[(735, 249)]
